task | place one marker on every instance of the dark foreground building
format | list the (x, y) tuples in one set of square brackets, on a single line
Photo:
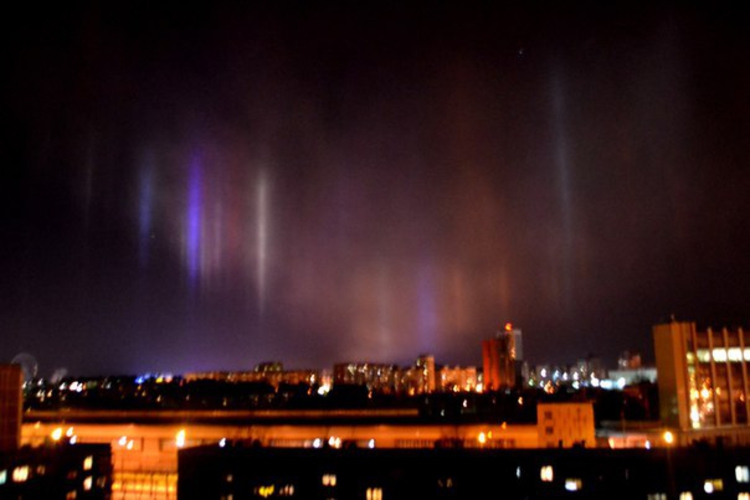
[(238, 472), (59, 471)]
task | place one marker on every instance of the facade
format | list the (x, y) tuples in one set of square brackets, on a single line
[(500, 357), (458, 379), (57, 472), (11, 406), (703, 376), (426, 366), (243, 472), (565, 425)]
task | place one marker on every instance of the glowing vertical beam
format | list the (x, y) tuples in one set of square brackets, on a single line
[(193, 222), (262, 237), (563, 176), (145, 207)]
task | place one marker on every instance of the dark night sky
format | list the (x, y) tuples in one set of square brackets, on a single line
[(208, 189)]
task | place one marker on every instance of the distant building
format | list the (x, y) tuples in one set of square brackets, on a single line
[(11, 406), (458, 379), (629, 360), (703, 379), (500, 357), (375, 376), (564, 425), (426, 366)]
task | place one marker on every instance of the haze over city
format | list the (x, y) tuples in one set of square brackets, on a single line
[(193, 189)]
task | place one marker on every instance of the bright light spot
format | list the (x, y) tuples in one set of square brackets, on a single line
[(686, 495), (708, 487), (329, 480), (179, 439), (88, 483), (520, 401), (518, 472), (122, 441), (69, 432), (88, 462), (573, 484), (621, 382), (3, 476), (130, 445), (648, 444), (482, 438), (371, 444), (21, 474), (374, 494), (668, 437), (57, 434), (222, 442), (324, 389), (73, 439), (742, 473), (740, 496), (265, 491), (546, 473)]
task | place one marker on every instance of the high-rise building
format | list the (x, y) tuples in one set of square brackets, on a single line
[(426, 366), (500, 356), (11, 406), (703, 376)]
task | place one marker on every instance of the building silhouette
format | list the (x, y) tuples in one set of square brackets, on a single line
[(11, 406), (501, 358)]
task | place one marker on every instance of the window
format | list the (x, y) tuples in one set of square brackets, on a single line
[(686, 495), (88, 483), (656, 496), (573, 484), (742, 473), (549, 430), (374, 494), (21, 474), (546, 474), (3, 476), (548, 415), (88, 462), (329, 480)]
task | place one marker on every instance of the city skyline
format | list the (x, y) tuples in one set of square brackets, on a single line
[(205, 189)]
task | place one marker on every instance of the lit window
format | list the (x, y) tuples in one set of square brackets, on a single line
[(573, 484), (686, 495), (546, 474), (180, 438), (329, 480), (712, 485), (656, 496), (88, 483), (21, 474), (41, 470), (374, 494), (742, 473), (286, 491), (265, 491), (743, 496), (3, 476), (71, 495), (88, 462)]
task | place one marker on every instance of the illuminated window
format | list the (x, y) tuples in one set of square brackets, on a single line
[(686, 495), (88, 462), (88, 483), (712, 485), (41, 470), (265, 491), (71, 495), (3, 476), (329, 480), (374, 494), (229, 478), (743, 496), (21, 474), (546, 474), (656, 496), (286, 491), (742, 473), (573, 484)]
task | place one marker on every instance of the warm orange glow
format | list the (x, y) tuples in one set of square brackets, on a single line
[(668, 437), (508, 327)]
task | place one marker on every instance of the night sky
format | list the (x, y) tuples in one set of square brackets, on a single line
[(322, 182)]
